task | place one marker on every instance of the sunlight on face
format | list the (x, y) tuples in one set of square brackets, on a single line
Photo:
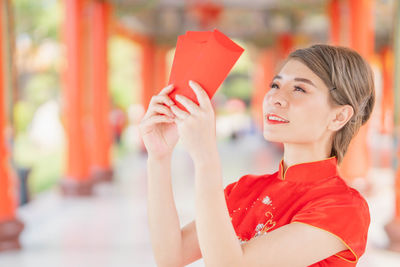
[(301, 97)]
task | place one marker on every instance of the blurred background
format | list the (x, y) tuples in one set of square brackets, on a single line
[(76, 77)]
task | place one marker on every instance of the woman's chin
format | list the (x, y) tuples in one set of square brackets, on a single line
[(271, 138)]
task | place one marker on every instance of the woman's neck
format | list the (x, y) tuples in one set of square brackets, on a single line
[(296, 154)]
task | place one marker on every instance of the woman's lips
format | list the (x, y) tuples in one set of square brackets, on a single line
[(274, 121)]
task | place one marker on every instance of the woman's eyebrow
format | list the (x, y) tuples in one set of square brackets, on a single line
[(304, 80)]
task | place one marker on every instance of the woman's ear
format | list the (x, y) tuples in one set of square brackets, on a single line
[(341, 115)]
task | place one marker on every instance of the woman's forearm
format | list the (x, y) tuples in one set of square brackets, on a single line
[(217, 238), (165, 231)]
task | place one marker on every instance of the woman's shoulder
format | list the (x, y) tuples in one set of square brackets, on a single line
[(249, 179), (339, 192), (247, 182)]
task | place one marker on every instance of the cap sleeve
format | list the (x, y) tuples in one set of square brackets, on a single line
[(228, 189), (344, 215)]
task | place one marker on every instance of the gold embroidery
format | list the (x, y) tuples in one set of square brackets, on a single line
[(270, 222)]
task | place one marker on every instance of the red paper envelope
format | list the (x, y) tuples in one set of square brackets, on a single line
[(204, 57), (186, 51)]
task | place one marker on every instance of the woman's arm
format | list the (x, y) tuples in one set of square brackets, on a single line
[(217, 238), (165, 231)]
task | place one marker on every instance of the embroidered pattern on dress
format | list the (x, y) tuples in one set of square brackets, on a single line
[(261, 228), (267, 200)]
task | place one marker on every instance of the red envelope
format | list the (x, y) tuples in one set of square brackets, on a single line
[(204, 57), (186, 51)]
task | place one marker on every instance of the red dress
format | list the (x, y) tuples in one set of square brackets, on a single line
[(312, 193)]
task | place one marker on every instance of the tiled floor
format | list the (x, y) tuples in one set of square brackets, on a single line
[(110, 228)]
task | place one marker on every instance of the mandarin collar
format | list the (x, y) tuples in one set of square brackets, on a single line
[(309, 171)]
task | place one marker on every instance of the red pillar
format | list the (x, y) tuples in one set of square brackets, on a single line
[(148, 53), (262, 77), (285, 44), (77, 180), (160, 68), (99, 97), (387, 104), (335, 18), (357, 161), (10, 226), (393, 227), (153, 72)]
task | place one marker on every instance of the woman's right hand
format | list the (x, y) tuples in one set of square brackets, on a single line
[(157, 128)]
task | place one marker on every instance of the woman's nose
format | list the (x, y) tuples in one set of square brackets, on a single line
[(277, 99)]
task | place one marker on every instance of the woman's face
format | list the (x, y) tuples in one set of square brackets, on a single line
[(299, 96)]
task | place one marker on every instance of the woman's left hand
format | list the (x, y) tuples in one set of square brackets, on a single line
[(196, 127)]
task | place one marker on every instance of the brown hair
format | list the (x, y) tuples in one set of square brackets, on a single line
[(350, 80)]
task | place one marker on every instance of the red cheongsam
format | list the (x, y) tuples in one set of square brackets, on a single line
[(312, 193)]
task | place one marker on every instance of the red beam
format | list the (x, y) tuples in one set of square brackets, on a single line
[(119, 29)]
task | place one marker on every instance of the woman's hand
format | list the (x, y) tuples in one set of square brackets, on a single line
[(157, 128), (197, 126)]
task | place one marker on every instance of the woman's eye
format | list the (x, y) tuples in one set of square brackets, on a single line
[(299, 88), (274, 85)]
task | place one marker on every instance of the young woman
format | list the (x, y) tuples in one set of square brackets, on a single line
[(304, 214)]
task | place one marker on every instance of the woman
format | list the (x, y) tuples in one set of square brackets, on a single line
[(302, 215)]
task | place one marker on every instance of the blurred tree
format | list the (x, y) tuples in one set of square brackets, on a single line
[(124, 72), (40, 19)]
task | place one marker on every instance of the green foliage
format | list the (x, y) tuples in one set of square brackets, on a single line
[(46, 171), (123, 71), (237, 88), (23, 114), (42, 87), (40, 19), (47, 166)]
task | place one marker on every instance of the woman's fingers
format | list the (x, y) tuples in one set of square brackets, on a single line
[(155, 101), (166, 90), (158, 99), (162, 110), (179, 113), (154, 120)]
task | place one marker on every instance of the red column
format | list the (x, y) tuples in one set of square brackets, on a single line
[(10, 226), (357, 162), (160, 68), (262, 77), (285, 44), (77, 180), (153, 72), (99, 97), (148, 52), (393, 227), (335, 18), (387, 104)]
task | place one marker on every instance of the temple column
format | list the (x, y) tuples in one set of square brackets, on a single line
[(147, 64), (334, 13), (77, 179), (10, 226), (393, 227), (99, 110), (357, 161), (262, 77)]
